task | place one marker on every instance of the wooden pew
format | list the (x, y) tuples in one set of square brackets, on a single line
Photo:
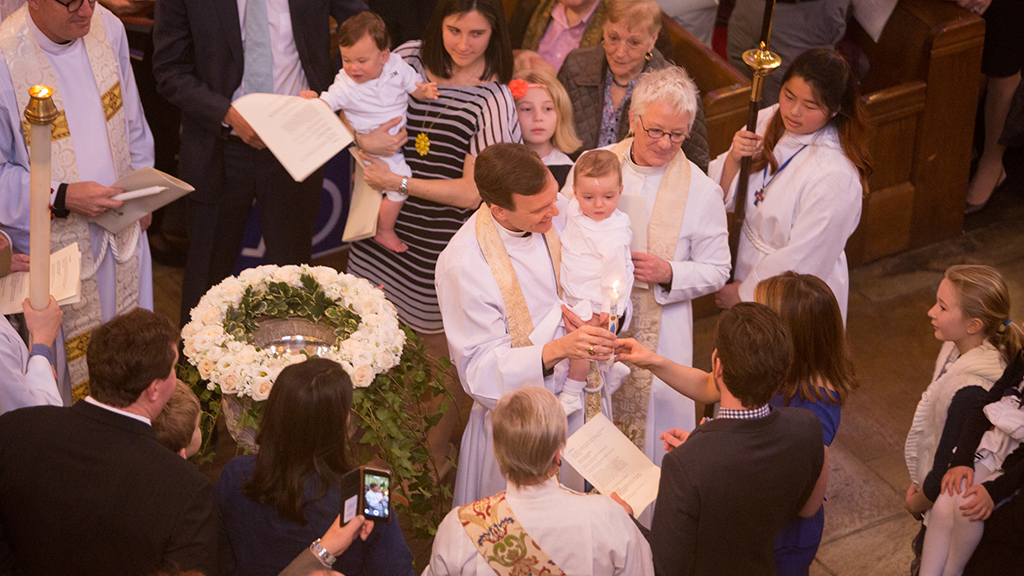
[(725, 92), (921, 96)]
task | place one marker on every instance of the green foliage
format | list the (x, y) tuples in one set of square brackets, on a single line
[(281, 300), (209, 402), (396, 415)]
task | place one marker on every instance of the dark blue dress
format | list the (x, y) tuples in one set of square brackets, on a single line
[(797, 542), (258, 542)]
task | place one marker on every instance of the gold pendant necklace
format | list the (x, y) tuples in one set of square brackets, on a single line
[(422, 139)]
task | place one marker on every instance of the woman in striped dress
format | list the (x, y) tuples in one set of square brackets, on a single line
[(466, 51)]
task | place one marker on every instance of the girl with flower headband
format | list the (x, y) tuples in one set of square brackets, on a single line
[(545, 120), (972, 316)]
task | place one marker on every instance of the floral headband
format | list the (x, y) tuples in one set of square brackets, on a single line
[(520, 87)]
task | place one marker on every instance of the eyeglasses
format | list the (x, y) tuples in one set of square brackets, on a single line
[(657, 133), (74, 5)]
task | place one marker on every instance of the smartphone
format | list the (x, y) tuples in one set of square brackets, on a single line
[(366, 491)]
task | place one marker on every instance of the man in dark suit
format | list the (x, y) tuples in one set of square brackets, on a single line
[(735, 481), (207, 54), (89, 489)]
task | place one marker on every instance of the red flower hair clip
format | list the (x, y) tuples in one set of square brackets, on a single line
[(520, 87)]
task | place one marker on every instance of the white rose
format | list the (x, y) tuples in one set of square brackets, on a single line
[(215, 353), (362, 357), (362, 376), (190, 349), (205, 367), (371, 319), (289, 274), (229, 383), (250, 275), (261, 386), (246, 355), (208, 315), (324, 275)]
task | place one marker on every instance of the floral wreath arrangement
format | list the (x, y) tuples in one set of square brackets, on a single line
[(233, 348)]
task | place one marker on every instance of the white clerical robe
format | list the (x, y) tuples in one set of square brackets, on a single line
[(87, 124), (24, 381), (809, 212), (700, 266), (583, 534), (475, 324)]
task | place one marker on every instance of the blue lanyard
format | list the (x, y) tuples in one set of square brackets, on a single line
[(759, 195)]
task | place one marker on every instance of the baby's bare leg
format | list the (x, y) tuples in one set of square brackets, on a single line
[(386, 219)]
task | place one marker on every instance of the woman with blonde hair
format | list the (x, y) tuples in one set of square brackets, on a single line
[(545, 121), (582, 534), (972, 316)]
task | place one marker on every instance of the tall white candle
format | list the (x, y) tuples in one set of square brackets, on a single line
[(40, 117)]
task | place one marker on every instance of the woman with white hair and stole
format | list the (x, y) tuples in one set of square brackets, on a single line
[(686, 253), (537, 523)]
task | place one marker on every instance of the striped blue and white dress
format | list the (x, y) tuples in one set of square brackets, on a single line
[(463, 120)]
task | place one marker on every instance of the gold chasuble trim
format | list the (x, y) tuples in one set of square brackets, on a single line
[(29, 65), (631, 400), (517, 313), (502, 541)]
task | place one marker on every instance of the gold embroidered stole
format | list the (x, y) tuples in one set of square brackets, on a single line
[(29, 66), (502, 541), (630, 401), (517, 314), (541, 19)]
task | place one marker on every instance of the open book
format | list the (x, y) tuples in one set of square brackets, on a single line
[(65, 282), (612, 463), (302, 134), (146, 190)]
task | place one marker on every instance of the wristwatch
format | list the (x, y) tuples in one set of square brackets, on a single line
[(321, 553), (404, 188)]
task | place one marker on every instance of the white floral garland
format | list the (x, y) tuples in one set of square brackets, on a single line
[(238, 367)]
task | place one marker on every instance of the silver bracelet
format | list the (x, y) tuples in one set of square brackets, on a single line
[(321, 553)]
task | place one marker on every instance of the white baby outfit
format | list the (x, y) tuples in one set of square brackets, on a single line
[(369, 105), (594, 255)]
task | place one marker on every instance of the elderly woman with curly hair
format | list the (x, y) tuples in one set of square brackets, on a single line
[(601, 80)]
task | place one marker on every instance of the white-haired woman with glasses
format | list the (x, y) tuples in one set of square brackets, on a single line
[(582, 534), (601, 80), (687, 247)]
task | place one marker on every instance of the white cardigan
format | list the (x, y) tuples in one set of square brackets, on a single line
[(981, 366)]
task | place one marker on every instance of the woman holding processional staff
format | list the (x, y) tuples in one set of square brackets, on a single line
[(810, 171)]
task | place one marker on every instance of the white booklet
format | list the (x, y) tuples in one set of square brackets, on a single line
[(612, 463), (302, 134), (364, 206), (65, 281), (146, 190), (635, 206)]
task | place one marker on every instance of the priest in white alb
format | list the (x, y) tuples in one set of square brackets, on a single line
[(79, 49), (497, 283), (686, 254)]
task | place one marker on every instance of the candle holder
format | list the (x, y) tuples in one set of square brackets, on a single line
[(41, 109), (40, 113)]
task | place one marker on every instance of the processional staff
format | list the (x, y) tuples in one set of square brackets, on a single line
[(761, 61), (40, 113)]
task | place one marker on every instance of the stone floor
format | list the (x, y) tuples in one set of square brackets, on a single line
[(867, 531)]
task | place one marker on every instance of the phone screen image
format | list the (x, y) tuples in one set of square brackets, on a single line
[(376, 496)]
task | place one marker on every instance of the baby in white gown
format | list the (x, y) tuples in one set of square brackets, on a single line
[(596, 265)]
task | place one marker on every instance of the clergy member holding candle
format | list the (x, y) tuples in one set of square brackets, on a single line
[(79, 49), (686, 254), (496, 281)]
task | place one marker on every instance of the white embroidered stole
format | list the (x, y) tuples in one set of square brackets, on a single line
[(502, 541), (630, 401), (29, 66), (517, 314)]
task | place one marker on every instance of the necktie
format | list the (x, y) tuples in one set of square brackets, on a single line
[(258, 74)]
